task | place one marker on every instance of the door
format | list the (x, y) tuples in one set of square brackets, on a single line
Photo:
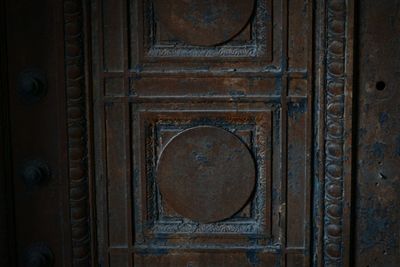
[(179, 133), (202, 132)]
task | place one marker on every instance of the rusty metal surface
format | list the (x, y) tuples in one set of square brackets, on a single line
[(206, 174), (202, 22), (377, 190)]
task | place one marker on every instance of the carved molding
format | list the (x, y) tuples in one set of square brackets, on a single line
[(335, 133), (77, 133)]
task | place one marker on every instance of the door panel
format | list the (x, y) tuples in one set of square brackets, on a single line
[(189, 76)]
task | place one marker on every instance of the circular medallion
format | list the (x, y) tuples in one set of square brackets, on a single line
[(206, 174), (204, 22)]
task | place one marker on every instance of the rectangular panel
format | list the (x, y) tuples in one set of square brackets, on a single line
[(229, 87), (114, 86), (300, 33), (297, 176), (117, 260), (113, 35), (117, 172), (298, 87), (193, 259), (295, 260)]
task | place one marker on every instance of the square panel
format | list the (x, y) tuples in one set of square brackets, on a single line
[(155, 38), (154, 217)]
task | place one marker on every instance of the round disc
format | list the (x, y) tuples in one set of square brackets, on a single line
[(206, 174), (204, 22)]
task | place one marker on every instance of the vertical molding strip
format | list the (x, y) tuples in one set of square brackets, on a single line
[(337, 92), (77, 132)]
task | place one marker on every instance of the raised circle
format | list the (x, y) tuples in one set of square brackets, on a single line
[(206, 174)]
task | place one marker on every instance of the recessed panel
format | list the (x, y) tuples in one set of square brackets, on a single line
[(201, 173), (194, 31)]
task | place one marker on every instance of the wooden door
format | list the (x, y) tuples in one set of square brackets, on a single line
[(189, 133), (202, 132)]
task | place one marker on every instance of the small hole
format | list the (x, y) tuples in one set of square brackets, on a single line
[(380, 85)]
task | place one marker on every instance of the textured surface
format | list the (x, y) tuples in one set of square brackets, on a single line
[(206, 174), (377, 180)]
